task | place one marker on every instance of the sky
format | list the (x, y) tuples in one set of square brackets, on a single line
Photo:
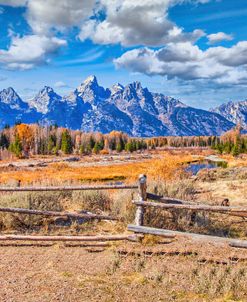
[(192, 50)]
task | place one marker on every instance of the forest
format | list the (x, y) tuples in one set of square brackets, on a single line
[(24, 140)]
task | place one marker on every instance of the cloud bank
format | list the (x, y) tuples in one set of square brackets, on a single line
[(160, 46), (29, 51), (218, 37), (188, 62)]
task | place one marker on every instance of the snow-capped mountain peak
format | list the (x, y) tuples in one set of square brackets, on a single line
[(12, 99), (91, 79), (90, 83), (132, 109), (235, 112), (116, 88), (43, 99), (91, 92)]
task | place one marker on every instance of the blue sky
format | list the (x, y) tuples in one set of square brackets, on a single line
[(194, 50)]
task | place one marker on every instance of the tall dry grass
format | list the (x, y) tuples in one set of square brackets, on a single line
[(166, 176), (115, 203), (167, 167)]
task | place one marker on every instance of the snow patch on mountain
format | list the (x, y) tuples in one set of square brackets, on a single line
[(235, 112), (131, 108)]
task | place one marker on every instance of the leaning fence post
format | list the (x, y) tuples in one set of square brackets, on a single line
[(142, 186)]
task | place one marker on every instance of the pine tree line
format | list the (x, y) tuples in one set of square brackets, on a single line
[(24, 140), (232, 142)]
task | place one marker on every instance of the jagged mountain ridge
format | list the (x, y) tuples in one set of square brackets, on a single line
[(132, 109), (235, 112), (13, 109)]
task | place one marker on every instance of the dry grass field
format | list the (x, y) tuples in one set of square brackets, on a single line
[(99, 168), (156, 269)]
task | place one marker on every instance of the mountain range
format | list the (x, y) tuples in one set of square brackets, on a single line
[(235, 112), (131, 108)]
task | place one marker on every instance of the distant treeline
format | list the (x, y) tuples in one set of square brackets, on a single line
[(231, 142), (23, 140)]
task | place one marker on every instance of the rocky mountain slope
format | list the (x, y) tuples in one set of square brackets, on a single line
[(234, 112), (13, 109), (132, 109)]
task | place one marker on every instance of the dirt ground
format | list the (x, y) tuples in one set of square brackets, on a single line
[(182, 270), (216, 184), (176, 271)]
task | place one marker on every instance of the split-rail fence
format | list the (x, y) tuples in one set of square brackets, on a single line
[(143, 202)]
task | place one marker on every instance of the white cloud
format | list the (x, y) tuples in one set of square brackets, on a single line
[(233, 56), (128, 22), (44, 15), (218, 37), (139, 22), (14, 3), (188, 62), (29, 51), (60, 84)]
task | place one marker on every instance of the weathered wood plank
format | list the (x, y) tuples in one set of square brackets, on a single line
[(149, 230), (198, 207), (70, 238), (167, 199), (193, 236), (71, 188), (239, 244), (142, 188), (237, 214), (54, 213)]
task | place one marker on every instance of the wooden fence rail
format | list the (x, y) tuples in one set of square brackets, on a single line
[(165, 199), (206, 208), (172, 234), (57, 214), (132, 237), (167, 203), (70, 188)]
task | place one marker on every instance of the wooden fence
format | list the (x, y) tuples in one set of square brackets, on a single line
[(160, 202), (61, 189), (130, 237), (71, 188), (167, 203)]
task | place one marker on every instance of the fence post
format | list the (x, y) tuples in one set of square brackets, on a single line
[(142, 186), (30, 208)]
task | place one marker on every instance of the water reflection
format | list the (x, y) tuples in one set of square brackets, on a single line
[(194, 168)]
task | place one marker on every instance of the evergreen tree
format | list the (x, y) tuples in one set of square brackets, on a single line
[(51, 144), (4, 142), (235, 150), (16, 147), (143, 145), (128, 147), (66, 145), (91, 142), (119, 147), (97, 148), (227, 147)]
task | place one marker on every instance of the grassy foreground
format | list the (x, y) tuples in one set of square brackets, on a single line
[(154, 270)]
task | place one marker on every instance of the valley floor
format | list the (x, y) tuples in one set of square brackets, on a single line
[(128, 272), (154, 270)]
